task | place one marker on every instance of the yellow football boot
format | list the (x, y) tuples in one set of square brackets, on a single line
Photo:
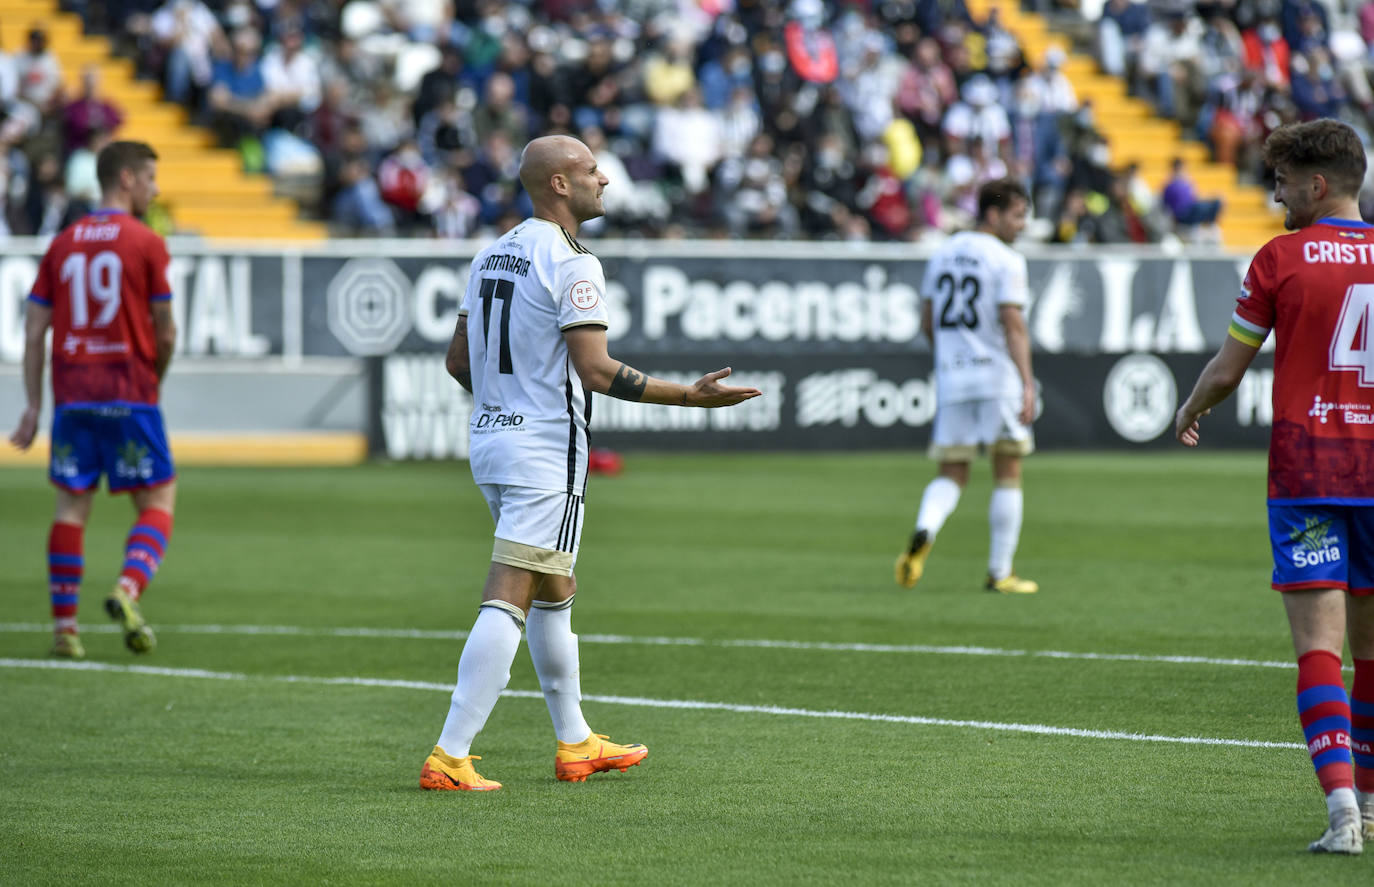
[(575, 761), (1012, 584), (67, 645), (912, 562), (443, 772), (122, 608)]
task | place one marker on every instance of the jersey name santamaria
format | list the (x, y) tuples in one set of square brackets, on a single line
[(970, 276), (530, 410)]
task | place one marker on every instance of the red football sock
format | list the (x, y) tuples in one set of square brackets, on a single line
[(1324, 710), (144, 550), (1362, 724), (65, 565)]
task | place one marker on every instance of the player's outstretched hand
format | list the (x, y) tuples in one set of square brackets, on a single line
[(28, 427), (707, 392), (1186, 426), (1027, 414)]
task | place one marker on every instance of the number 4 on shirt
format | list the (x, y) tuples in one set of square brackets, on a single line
[(1352, 346)]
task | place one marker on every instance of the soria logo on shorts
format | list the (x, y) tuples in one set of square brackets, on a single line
[(63, 462), (134, 462), (1315, 545)]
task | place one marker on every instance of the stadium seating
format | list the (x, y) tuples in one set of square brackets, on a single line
[(203, 186), (1136, 133)]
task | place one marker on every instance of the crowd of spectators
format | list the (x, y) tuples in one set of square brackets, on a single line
[(1232, 71), (48, 140), (864, 120)]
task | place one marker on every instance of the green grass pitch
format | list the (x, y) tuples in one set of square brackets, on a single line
[(240, 777)]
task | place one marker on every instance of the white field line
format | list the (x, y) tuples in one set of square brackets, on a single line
[(642, 702), (823, 646)]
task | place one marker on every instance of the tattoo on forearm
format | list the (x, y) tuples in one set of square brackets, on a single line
[(628, 384)]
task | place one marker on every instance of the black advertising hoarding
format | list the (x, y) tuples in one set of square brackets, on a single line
[(834, 402), (381, 297), (830, 331)]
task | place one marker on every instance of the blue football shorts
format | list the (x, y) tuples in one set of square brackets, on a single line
[(1323, 546), (126, 443)]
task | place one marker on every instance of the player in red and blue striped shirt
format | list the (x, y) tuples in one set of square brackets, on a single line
[(1314, 289), (102, 288)]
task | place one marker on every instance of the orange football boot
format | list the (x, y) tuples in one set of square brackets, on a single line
[(442, 772), (575, 761)]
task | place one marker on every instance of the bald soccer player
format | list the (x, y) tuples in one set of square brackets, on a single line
[(531, 347)]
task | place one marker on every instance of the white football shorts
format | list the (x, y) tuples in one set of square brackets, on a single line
[(536, 530), (963, 430)]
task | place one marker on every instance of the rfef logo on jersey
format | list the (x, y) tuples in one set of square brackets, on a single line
[(584, 295), (1316, 545)]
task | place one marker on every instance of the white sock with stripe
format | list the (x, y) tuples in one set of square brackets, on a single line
[(553, 649), (1004, 521), (483, 672), (938, 502)]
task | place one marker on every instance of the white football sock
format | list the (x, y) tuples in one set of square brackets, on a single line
[(553, 649), (937, 504), (1341, 804), (483, 672), (1004, 520)]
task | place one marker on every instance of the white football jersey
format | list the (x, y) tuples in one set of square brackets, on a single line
[(530, 411), (970, 276)]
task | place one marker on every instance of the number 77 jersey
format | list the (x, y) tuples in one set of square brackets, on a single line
[(1314, 288), (967, 281), (530, 411), (100, 277)]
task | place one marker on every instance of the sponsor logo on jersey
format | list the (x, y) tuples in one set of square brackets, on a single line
[(1349, 413), (1320, 408), (1315, 543), (1352, 235), (584, 295), (495, 421), (72, 344)]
